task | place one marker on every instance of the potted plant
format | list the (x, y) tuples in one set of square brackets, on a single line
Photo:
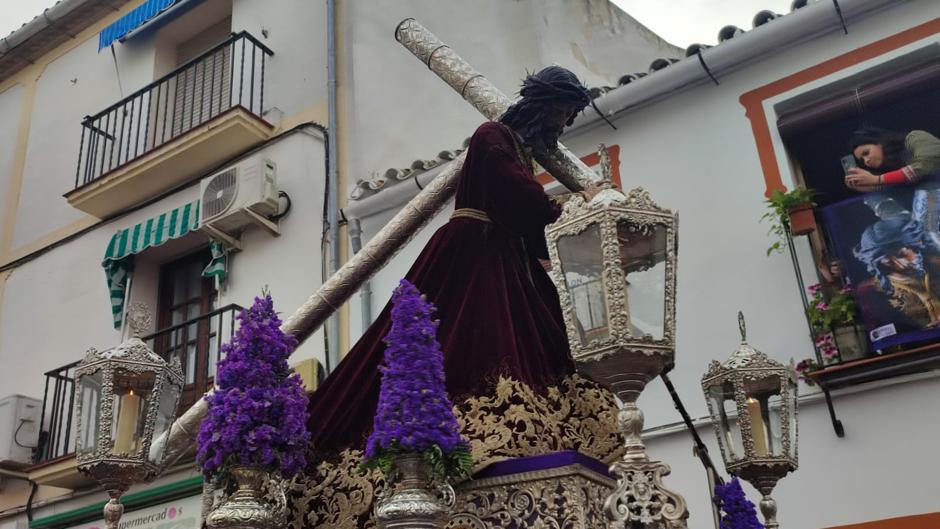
[(256, 425), (415, 441), (835, 324), (804, 368), (795, 208)]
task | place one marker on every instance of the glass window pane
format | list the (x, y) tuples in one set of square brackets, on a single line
[(643, 259), (166, 413), (190, 371), (763, 413), (722, 401), (582, 267), (179, 286), (131, 398), (90, 397)]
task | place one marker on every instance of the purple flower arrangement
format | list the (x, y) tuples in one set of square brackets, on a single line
[(414, 414), (739, 512), (258, 413)]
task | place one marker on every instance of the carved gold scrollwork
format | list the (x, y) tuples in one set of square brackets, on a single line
[(511, 421)]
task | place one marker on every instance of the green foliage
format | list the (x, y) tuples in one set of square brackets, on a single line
[(840, 310), (449, 467), (780, 204)]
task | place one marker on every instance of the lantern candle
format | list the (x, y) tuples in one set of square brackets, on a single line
[(758, 430), (124, 439)]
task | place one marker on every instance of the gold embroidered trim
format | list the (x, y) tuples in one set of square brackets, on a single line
[(470, 213), (512, 421)]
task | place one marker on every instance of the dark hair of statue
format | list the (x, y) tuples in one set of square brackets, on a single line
[(892, 143), (553, 84)]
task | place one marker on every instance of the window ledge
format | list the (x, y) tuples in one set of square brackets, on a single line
[(878, 367)]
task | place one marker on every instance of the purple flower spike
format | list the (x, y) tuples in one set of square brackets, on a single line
[(414, 412), (739, 512), (258, 414)]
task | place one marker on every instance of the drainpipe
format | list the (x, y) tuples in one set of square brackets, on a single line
[(332, 194), (365, 293)]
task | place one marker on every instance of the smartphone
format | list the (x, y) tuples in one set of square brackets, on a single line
[(848, 162)]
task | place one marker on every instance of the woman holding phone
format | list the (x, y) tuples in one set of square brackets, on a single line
[(889, 158)]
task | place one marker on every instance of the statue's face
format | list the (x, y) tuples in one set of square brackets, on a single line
[(556, 118)]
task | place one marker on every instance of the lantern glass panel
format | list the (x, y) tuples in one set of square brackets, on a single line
[(166, 412), (131, 402), (643, 260), (723, 403), (764, 415), (89, 388), (582, 264)]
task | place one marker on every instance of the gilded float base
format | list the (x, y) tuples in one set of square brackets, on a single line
[(570, 496)]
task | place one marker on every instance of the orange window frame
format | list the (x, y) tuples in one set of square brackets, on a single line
[(753, 101)]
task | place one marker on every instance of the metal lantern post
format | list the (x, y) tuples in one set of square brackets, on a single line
[(123, 398), (614, 265), (752, 401)]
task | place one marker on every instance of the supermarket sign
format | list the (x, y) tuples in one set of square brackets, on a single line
[(179, 514)]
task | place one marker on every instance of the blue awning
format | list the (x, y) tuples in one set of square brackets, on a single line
[(133, 20)]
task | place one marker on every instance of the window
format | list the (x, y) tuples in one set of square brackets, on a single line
[(881, 244), (186, 332)]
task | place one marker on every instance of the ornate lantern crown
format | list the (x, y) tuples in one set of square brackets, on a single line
[(124, 397), (614, 264), (752, 402)]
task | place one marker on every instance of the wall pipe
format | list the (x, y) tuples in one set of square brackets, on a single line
[(332, 198), (365, 293)]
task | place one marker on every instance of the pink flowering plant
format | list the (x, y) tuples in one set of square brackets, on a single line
[(414, 414), (826, 315), (258, 413), (804, 367)]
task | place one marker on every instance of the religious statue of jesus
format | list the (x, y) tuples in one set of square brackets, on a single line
[(507, 363)]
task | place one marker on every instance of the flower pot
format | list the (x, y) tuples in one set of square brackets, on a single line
[(851, 342), (802, 219), (411, 503), (246, 508)]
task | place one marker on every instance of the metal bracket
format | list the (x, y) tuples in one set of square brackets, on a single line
[(262, 222), (233, 243), (836, 423)]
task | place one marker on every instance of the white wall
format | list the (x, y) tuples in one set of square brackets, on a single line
[(295, 77), (401, 112), (57, 306), (55, 128), (11, 101)]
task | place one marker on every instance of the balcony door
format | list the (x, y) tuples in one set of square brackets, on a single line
[(202, 89), (186, 296)]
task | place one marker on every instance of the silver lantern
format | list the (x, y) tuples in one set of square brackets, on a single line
[(752, 401), (124, 397), (614, 265)]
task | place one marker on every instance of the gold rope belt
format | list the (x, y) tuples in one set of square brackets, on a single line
[(470, 213)]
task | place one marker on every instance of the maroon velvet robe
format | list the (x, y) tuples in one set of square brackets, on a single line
[(499, 312)]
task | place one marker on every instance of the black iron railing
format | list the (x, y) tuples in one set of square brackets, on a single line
[(227, 76), (196, 342)]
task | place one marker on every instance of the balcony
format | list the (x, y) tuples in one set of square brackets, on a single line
[(174, 129), (196, 342)]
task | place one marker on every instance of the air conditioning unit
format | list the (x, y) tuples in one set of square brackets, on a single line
[(19, 430), (243, 194)]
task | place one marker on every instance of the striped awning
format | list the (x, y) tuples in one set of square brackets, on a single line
[(118, 259), (141, 15)]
